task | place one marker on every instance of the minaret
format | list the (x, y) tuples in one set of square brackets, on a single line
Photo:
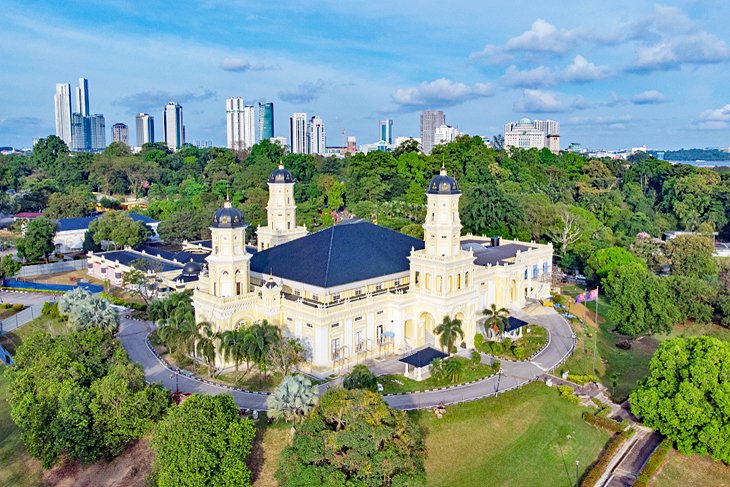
[(281, 212), (228, 262), (442, 228)]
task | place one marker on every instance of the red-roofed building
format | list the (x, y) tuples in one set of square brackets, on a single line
[(26, 215)]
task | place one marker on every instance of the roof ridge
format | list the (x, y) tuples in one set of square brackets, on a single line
[(329, 256)]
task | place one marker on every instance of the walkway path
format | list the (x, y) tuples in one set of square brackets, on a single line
[(132, 334)]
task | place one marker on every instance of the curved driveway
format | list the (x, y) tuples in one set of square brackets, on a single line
[(132, 334)]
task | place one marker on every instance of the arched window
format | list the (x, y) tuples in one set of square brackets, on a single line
[(545, 267), (466, 279), (428, 281), (439, 283), (458, 281), (451, 283)]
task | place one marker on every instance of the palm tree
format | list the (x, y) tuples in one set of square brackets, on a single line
[(496, 318), (259, 338), (232, 345), (448, 331), (453, 369), (293, 399), (206, 345)]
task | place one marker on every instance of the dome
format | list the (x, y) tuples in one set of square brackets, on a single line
[(525, 120), (271, 284), (227, 217), (191, 269), (443, 184), (281, 175)]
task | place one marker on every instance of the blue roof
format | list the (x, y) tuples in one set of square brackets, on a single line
[(69, 224), (181, 257), (125, 257), (423, 357), (514, 323), (339, 255), (498, 255)]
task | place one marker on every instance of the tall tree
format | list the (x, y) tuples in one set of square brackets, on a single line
[(496, 318), (37, 241), (119, 228), (692, 255), (449, 330)]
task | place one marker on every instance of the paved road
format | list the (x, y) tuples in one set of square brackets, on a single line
[(630, 465), (132, 334)]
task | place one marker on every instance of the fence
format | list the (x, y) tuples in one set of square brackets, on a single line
[(52, 268)]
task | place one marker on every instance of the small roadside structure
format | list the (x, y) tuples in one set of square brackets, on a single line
[(512, 329), (420, 360)]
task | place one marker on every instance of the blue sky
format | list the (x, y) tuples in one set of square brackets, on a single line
[(615, 74)]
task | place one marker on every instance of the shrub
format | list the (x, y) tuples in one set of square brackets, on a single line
[(566, 392), (6, 305), (582, 379), (602, 422), (478, 341), (496, 365), (654, 463), (476, 357), (506, 343), (486, 347), (599, 468), (497, 348), (519, 353), (18, 307), (360, 377)]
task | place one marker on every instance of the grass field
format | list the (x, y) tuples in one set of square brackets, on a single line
[(525, 437), (264, 459), (43, 323), (681, 470)]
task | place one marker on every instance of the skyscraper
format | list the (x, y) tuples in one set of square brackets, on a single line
[(80, 133), (298, 133), (351, 144), (120, 133), (98, 132), (62, 102), (430, 121), (249, 126), (145, 129), (266, 121), (82, 97), (537, 134), (386, 131), (173, 125), (235, 123), (316, 136)]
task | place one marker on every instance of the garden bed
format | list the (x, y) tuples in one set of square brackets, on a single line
[(530, 344), (399, 384)]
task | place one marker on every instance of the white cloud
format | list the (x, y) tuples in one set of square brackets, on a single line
[(582, 71), (531, 78), (539, 101), (721, 114), (544, 37), (235, 64), (304, 93), (440, 93), (648, 97)]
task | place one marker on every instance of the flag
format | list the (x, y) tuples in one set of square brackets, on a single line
[(580, 298), (592, 295)]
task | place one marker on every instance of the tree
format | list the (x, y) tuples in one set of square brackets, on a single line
[(640, 301), (685, 396), (568, 228), (293, 399), (449, 330), (539, 214), (335, 446), (695, 297), (453, 370), (604, 261), (260, 337), (286, 355), (84, 310), (119, 228), (232, 345), (360, 377), (203, 441), (46, 153), (184, 225), (496, 318), (205, 346), (72, 205), (691, 255), (37, 241), (141, 279), (8, 266)]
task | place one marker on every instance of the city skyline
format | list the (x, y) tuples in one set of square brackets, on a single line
[(616, 76)]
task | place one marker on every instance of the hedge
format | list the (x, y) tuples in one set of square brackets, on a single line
[(123, 302), (656, 460), (603, 422), (29, 290), (582, 379), (566, 392), (601, 465)]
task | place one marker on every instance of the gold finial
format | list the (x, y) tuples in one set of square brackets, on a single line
[(281, 163)]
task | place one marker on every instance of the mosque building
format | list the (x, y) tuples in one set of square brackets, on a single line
[(357, 290)]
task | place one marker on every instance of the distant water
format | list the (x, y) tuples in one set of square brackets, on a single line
[(703, 163)]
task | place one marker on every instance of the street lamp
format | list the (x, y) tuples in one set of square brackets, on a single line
[(499, 378), (177, 375), (577, 462)]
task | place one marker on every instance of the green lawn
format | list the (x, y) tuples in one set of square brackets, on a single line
[(393, 384), (532, 342), (681, 470), (525, 437), (629, 365)]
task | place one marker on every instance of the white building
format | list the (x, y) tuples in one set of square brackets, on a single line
[(145, 129), (316, 136), (240, 124), (445, 134), (357, 290), (537, 134), (173, 125), (70, 232), (298, 133), (62, 103)]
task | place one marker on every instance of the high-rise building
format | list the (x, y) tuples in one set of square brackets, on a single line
[(316, 136), (62, 102), (98, 132), (445, 134), (386, 131), (120, 133), (430, 121), (235, 124), (145, 129), (82, 97), (249, 126), (298, 133), (266, 121), (536, 134), (173, 125), (351, 144), (80, 133)]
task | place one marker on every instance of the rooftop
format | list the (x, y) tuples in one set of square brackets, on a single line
[(488, 255), (71, 224)]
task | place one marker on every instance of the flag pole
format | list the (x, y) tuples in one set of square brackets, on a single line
[(595, 337)]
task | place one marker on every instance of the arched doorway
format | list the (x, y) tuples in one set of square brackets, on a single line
[(426, 324), (409, 332), (513, 292)]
